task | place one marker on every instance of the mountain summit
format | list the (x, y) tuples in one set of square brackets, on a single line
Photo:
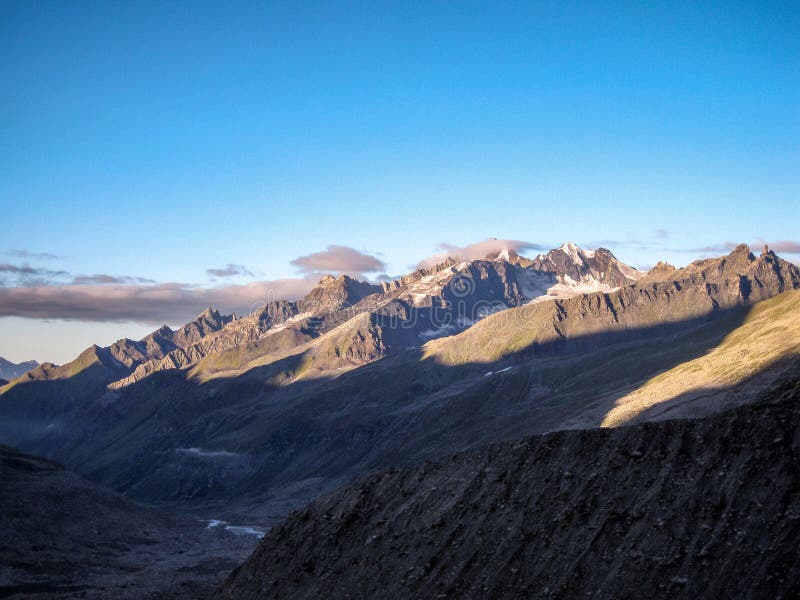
[(332, 293), (590, 267)]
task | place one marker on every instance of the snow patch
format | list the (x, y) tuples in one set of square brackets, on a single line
[(245, 530), (533, 283), (289, 321), (630, 272), (562, 291), (573, 252), (236, 529), (490, 373), (418, 298), (430, 334), (206, 453), (432, 285)]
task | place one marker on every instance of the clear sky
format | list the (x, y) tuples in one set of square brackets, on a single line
[(157, 146)]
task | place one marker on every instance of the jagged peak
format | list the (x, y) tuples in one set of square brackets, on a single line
[(332, 292), (420, 272), (575, 252), (740, 260), (662, 267), (743, 250), (506, 254), (209, 313), (580, 254), (601, 250), (342, 279)]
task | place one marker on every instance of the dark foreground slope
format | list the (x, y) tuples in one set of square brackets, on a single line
[(690, 508), (61, 536)]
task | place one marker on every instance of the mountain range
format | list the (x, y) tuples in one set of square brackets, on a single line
[(247, 418)]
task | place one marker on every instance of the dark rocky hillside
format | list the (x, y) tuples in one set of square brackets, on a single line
[(63, 537), (678, 509)]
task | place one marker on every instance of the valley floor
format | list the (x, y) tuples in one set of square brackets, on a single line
[(63, 537)]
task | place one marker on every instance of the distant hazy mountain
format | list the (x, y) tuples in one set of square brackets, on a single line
[(10, 370), (265, 411)]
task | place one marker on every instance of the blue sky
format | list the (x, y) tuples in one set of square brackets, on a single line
[(161, 140)]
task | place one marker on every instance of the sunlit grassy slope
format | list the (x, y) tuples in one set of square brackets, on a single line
[(769, 334), (289, 355)]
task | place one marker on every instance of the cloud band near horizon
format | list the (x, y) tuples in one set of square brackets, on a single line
[(153, 304), (122, 298)]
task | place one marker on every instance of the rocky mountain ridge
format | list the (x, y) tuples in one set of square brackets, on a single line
[(664, 298), (456, 295)]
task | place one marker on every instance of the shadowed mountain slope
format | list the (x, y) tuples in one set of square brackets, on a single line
[(676, 509), (61, 536)]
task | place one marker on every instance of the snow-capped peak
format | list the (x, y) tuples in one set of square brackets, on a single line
[(573, 251)]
